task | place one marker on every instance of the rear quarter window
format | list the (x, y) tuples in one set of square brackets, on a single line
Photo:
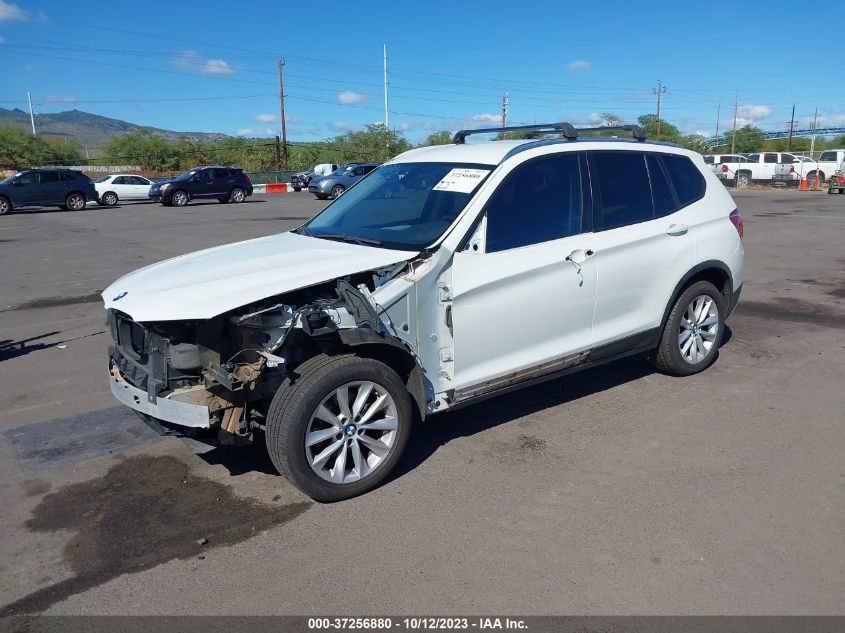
[(685, 177)]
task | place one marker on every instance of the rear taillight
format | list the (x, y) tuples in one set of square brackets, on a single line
[(248, 179), (736, 220), (725, 169), (792, 170)]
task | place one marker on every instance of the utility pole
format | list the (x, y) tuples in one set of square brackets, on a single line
[(278, 151), (31, 116), (659, 91), (812, 149), (718, 112), (386, 120), (736, 109), (791, 124), (283, 159), (505, 110)]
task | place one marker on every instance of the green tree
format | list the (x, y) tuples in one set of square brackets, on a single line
[(444, 137), (21, 150), (748, 139), (668, 132), (374, 143)]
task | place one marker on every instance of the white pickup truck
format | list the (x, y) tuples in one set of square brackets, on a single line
[(805, 167), (754, 168), (829, 161)]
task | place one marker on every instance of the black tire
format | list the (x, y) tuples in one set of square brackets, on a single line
[(179, 198), (108, 199), (337, 191), (811, 179), (75, 202), (668, 357), (298, 398), (237, 195), (5, 206), (297, 189), (743, 179)]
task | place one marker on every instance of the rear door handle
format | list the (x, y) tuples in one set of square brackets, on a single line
[(677, 229)]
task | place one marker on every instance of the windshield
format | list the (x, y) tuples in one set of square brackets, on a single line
[(405, 206), (186, 174)]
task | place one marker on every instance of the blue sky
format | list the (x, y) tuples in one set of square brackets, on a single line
[(450, 63)]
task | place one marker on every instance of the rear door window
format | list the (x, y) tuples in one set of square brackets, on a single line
[(539, 201), (826, 156), (621, 187), (685, 177), (50, 177)]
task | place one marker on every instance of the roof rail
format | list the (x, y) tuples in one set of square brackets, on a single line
[(567, 130)]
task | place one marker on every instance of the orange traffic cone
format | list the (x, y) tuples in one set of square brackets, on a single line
[(803, 186)]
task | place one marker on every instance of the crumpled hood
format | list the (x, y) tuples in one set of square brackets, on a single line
[(204, 284)]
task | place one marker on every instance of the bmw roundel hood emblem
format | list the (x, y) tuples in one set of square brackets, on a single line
[(120, 296)]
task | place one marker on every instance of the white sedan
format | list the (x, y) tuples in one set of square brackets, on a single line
[(116, 187)]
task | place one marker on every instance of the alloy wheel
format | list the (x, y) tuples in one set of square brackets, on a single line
[(351, 432), (699, 327)]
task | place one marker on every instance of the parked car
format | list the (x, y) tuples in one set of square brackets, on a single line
[(116, 187), (226, 184), (333, 185), (300, 180), (758, 167), (64, 188), (718, 159), (827, 164), (451, 274)]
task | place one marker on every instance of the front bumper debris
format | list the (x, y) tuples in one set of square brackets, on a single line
[(163, 408)]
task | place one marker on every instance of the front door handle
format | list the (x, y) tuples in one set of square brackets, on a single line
[(677, 229)]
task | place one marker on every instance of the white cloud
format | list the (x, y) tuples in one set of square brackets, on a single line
[(217, 67), (11, 12), (579, 64), (342, 126), (267, 118), (246, 132), (348, 97), (193, 60), (754, 112), (487, 118)]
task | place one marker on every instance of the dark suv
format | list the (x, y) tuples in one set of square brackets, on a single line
[(64, 188), (227, 184)]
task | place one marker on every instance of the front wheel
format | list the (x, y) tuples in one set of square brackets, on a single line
[(337, 191), (338, 425), (179, 199), (692, 334)]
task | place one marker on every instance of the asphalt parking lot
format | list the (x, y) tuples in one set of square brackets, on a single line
[(613, 491)]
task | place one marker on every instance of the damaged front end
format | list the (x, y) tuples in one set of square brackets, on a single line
[(219, 375)]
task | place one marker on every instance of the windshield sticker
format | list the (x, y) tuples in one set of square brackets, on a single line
[(461, 180)]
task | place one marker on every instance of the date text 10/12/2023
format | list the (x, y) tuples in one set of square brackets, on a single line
[(416, 623)]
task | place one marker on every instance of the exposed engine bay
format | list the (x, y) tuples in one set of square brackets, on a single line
[(233, 363)]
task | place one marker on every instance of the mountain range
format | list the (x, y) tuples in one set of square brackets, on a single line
[(90, 129)]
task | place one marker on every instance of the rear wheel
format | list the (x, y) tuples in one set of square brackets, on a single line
[(75, 202), (692, 334), (297, 189), (338, 425), (743, 179), (5, 206), (811, 179), (179, 199), (109, 199), (237, 195)]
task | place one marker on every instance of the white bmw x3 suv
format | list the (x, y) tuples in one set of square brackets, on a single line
[(449, 274)]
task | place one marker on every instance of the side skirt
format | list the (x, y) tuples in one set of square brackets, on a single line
[(628, 346)]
